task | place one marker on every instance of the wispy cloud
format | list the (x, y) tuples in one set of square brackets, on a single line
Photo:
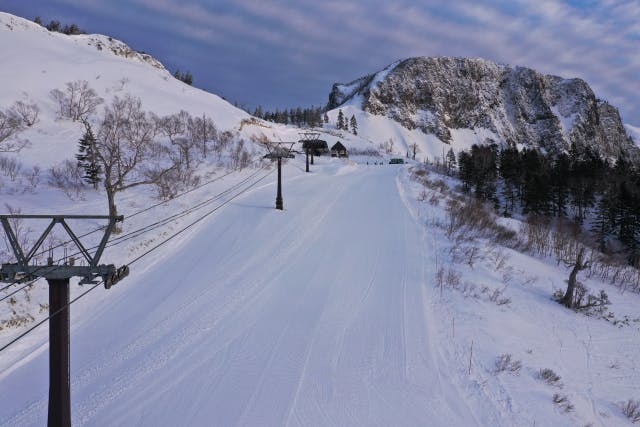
[(292, 51)]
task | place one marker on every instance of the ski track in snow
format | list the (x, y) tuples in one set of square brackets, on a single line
[(280, 318)]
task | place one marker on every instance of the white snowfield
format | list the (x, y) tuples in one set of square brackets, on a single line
[(318, 315), (326, 314)]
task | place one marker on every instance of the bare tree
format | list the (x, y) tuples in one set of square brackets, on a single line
[(10, 167), (21, 231), (77, 101), (177, 127), (414, 150), (10, 127), (67, 177), (202, 130), (174, 125), (28, 113), (125, 141), (578, 265), (224, 140), (239, 155)]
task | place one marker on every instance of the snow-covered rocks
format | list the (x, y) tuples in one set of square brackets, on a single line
[(519, 105)]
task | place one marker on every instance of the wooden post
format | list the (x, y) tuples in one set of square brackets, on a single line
[(59, 359)]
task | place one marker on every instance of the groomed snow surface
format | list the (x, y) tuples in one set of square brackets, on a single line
[(326, 314)]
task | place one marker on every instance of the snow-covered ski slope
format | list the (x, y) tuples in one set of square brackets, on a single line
[(313, 316), (327, 314)]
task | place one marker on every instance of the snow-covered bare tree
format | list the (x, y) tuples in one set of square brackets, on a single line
[(10, 127), (202, 131), (192, 137), (78, 100), (125, 142), (28, 113), (414, 150)]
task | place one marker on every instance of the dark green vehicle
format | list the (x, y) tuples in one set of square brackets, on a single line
[(396, 161)]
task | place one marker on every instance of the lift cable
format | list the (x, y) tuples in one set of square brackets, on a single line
[(135, 233), (136, 259), (177, 215)]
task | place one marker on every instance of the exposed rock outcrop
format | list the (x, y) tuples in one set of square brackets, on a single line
[(519, 105)]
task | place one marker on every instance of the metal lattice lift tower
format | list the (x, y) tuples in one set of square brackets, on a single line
[(58, 278), (277, 152)]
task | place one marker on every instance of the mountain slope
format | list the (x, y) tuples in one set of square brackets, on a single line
[(516, 106), (36, 61)]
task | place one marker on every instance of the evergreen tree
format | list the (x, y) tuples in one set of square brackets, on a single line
[(87, 157), (536, 190), (605, 216), (38, 20), (450, 159), (354, 124), (512, 175), (54, 26), (187, 78), (326, 118), (465, 170), (559, 174), (485, 171), (341, 124)]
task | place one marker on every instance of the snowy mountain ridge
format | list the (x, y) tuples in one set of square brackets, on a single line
[(518, 105), (99, 41)]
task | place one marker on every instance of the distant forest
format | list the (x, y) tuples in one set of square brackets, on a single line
[(311, 116), (601, 197)]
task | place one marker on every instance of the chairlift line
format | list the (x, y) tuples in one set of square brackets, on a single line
[(135, 233), (138, 258), (121, 237)]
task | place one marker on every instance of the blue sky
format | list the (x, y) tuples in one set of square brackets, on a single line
[(286, 53)]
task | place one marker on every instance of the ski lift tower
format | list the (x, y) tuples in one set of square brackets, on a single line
[(58, 276), (311, 143), (277, 152)]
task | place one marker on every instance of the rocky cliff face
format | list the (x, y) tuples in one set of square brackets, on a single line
[(519, 105)]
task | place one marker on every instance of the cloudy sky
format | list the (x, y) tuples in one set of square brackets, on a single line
[(286, 53)]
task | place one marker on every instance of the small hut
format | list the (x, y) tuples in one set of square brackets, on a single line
[(339, 150)]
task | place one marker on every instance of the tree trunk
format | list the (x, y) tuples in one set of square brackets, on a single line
[(568, 300), (111, 199)]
